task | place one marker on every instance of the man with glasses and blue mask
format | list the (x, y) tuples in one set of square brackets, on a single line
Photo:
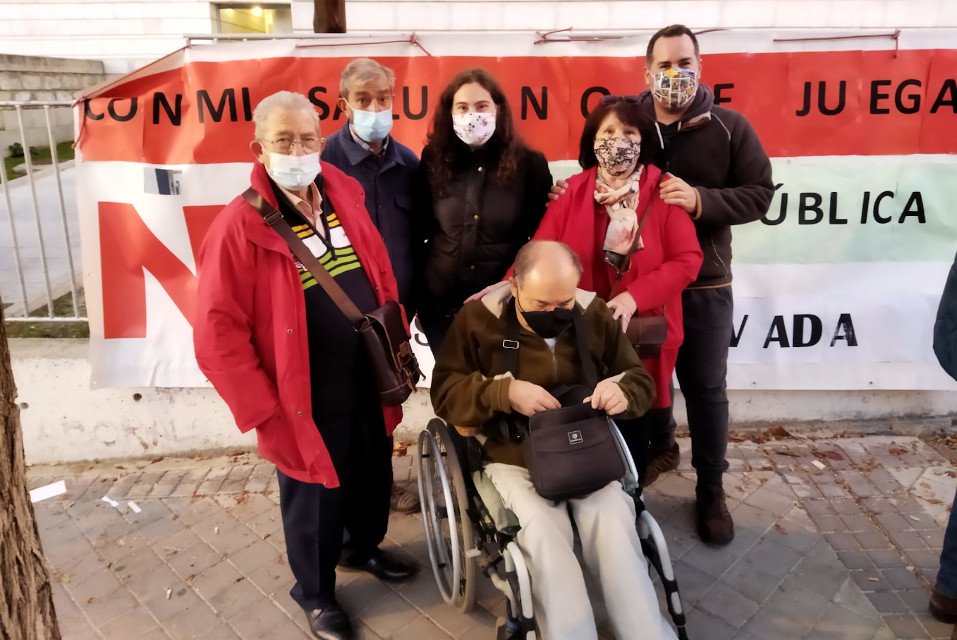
[(384, 167), (717, 171), (290, 365)]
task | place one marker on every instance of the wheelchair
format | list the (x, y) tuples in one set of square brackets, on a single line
[(468, 530)]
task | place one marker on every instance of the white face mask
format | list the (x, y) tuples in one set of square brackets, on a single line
[(293, 172), (372, 126), (474, 128)]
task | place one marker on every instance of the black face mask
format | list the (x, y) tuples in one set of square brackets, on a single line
[(547, 324)]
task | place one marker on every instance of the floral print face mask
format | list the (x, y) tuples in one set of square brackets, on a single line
[(617, 156), (474, 128)]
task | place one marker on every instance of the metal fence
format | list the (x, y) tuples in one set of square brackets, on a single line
[(39, 276)]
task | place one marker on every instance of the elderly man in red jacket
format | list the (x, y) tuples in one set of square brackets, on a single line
[(289, 364)]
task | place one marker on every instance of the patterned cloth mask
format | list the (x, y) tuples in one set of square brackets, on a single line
[(675, 87), (617, 156), (474, 128)]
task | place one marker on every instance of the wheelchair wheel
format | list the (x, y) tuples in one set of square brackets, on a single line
[(449, 533)]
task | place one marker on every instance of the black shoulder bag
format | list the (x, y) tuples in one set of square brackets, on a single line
[(572, 451), (382, 331)]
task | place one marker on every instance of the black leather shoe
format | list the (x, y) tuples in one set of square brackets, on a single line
[(384, 566), (330, 623)]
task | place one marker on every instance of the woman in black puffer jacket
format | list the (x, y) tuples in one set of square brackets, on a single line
[(480, 194)]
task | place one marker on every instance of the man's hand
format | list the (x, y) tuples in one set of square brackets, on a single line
[(487, 290), (528, 398), (623, 306), (558, 189), (608, 397), (467, 432), (678, 192)]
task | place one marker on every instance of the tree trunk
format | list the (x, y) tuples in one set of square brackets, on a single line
[(329, 16), (26, 596)]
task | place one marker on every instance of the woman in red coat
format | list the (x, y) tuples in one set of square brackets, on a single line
[(638, 253)]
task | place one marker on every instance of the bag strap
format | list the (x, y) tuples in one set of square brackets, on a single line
[(510, 343), (275, 220)]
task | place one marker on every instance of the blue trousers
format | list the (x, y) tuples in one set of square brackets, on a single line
[(947, 575)]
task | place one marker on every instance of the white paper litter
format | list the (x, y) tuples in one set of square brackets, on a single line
[(110, 501), (135, 508), (47, 491), (820, 465)]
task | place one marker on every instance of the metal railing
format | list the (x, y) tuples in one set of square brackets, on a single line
[(42, 244)]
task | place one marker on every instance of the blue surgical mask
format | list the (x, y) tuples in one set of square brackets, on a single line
[(372, 126)]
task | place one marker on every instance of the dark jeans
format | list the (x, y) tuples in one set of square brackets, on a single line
[(435, 322), (947, 575), (702, 370), (637, 433), (315, 518)]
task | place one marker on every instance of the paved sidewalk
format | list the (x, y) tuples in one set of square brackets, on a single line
[(837, 538)]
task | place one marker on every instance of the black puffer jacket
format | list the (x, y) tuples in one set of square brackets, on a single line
[(471, 231), (717, 151)]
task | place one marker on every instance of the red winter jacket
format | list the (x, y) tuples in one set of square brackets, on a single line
[(659, 272), (250, 327)]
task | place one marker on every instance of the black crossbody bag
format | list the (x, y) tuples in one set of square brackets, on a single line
[(382, 331), (572, 451)]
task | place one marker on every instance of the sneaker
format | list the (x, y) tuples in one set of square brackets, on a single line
[(403, 500), (660, 462), (715, 526), (943, 607)]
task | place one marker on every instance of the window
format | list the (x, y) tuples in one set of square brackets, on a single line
[(252, 18)]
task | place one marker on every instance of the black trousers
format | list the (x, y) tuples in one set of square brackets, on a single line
[(638, 431), (702, 370), (321, 524)]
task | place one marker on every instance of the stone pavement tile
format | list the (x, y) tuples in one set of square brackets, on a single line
[(869, 580), (702, 624), (902, 579), (885, 558), (272, 578), (264, 621), (131, 624), (196, 622), (237, 478), (750, 581), (235, 598), (850, 596), (224, 533), (856, 559), (692, 582), (773, 558), (267, 524), (795, 531), (95, 585), (915, 599), (905, 626), (872, 539), (713, 561), (787, 615), (244, 506), (250, 558), (192, 510), (421, 629), (167, 483), (838, 623), (192, 560), (934, 628), (360, 594), (404, 528), (422, 593), (816, 577), (171, 609), (887, 602), (923, 558), (389, 614), (149, 585), (72, 622), (907, 539), (728, 605), (220, 577)]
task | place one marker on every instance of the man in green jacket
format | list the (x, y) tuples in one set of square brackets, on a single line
[(469, 388)]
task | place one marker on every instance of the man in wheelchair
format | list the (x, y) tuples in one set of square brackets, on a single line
[(471, 389)]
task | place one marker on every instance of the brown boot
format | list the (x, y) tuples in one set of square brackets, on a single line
[(659, 462), (943, 607), (715, 526)]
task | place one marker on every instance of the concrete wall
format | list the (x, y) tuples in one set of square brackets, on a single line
[(24, 78), (64, 420), (128, 33)]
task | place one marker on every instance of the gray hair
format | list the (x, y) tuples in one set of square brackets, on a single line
[(281, 100), (527, 257), (364, 69)]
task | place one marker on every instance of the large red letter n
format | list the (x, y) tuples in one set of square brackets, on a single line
[(127, 249)]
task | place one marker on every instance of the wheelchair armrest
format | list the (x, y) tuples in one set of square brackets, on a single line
[(630, 480)]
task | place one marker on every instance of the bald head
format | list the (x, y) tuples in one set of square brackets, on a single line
[(546, 276)]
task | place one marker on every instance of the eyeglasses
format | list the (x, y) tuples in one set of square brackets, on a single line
[(285, 144)]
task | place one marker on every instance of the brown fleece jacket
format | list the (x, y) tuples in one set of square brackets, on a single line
[(468, 385)]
